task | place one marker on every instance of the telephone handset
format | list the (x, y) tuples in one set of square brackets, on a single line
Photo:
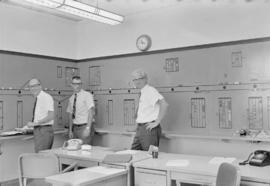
[(258, 158), (73, 144)]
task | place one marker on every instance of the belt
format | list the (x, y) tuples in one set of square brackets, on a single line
[(79, 125), (145, 123), (42, 126)]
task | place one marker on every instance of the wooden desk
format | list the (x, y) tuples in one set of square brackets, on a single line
[(98, 176), (155, 171)]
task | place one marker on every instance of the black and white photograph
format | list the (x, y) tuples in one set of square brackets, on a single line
[(134, 92)]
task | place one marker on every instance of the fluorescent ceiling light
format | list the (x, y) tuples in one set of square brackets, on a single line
[(82, 10)]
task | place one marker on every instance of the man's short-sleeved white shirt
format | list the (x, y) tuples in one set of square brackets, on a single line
[(44, 104), (148, 108), (84, 102)]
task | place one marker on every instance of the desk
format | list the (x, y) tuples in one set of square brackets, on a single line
[(83, 158), (98, 176), (95, 157), (156, 172)]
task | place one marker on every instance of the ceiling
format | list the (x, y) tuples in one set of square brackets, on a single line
[(129, 7)]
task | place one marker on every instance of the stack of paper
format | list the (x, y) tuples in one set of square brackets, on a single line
[(10, 133), (177, 163), (127, 152), (219, 160)]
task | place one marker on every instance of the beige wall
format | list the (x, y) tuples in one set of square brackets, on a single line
[(209, 68), (16, 70)]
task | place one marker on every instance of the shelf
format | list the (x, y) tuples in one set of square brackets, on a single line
[(104, 131), (169, 135)]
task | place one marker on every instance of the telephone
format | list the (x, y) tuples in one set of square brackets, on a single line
[(73, 144), (258, 158)]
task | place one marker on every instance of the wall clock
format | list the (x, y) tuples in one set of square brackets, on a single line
[(143, 42)]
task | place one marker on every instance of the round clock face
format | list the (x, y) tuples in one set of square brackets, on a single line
[(143, 42)]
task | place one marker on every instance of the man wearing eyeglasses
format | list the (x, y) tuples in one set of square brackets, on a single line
[(151, 110), (43, 115), (81, 111)]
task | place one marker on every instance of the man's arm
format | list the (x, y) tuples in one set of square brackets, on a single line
[(162, 111), (91, 112), (48, 118)]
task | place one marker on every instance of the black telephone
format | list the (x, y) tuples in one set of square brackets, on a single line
[(258, 158)]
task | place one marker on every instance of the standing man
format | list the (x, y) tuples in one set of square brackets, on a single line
[(43, 115), (81, 110), (151, 110)]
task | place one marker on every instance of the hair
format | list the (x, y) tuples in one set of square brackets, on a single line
[(35, 79), (76, 77)]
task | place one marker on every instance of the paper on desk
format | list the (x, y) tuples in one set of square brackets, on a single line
[(105, 170), (177, 163), (219, 160), (127, 152), (10, 133)]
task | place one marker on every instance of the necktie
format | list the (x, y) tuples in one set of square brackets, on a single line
[(136, 112), (34, 109), (74, 106)]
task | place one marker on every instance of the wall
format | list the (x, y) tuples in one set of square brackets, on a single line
[(187, 23), (28, 31), (235, 70), (16, 69)]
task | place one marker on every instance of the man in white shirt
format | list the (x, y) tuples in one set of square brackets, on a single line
[(151, 110), (43, 115), (81, 111)]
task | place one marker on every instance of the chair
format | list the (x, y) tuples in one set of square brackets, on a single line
[(37, 166), (228, 175)]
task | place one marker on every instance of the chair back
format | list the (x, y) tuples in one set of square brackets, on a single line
[(228, 175), (37, 166)]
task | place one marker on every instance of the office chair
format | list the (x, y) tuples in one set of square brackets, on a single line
[(37, 166), (228, 175)]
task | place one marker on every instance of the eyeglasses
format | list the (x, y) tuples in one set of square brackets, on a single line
[(137, 79), (33, 86), (76, 83)]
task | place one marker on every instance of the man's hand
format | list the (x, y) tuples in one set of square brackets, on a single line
[(31, 124), (150, 126), (70, 134)]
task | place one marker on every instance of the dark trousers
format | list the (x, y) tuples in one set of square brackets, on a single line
[(144, 138), (43, 137), (80, 132)]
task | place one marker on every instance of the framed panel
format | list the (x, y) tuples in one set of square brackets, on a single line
[(129, 111), (1, 115), (59, 114), (94, 76), (172, 64), (20, 114), (225, 112), (59, 71), (268, 111), (110, 112), (198, 114), (255, 112)]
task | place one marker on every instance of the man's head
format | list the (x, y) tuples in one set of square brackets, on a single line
[(139, 78), (76, 84), (35, 86)]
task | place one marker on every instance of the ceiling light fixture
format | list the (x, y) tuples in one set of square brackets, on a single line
[(82, 10)]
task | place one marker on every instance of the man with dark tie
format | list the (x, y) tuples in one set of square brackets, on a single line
[(43, 115), (152, 108), (81, 110)]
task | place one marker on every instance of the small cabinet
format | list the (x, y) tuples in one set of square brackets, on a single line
[(147, 177)]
